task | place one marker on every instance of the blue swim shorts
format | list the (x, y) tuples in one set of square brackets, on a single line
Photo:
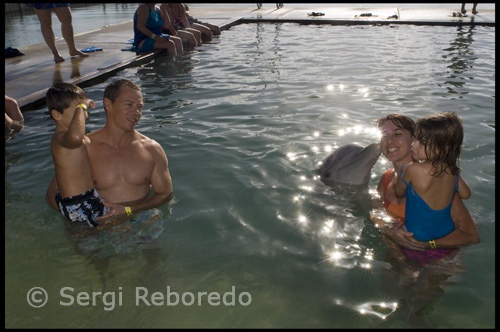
[(85, 207)]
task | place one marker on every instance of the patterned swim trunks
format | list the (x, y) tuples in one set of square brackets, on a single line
[(85, 207)]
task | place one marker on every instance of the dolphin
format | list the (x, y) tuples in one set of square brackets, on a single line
[(350, 164)]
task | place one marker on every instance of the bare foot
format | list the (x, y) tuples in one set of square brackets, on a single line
[(77, 52), (58, 58), (464, 11), (475, 12)]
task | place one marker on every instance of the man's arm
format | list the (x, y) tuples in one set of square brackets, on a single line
[(161, 182)]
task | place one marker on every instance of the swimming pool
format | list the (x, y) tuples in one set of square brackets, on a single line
[(244, 121)]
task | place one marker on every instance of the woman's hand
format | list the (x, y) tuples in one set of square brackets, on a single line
[(402, 237)]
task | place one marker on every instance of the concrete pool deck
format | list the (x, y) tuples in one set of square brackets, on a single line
[(28, 77)]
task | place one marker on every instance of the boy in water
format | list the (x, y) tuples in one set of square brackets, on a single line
[(430, 184), (76, 198)]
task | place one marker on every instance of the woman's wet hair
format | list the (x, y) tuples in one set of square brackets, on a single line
[(399, 121)]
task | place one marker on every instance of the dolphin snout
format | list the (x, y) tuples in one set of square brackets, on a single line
[(350, 164), (375, 149)]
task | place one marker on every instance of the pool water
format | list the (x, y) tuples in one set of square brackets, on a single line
[(244, 121)]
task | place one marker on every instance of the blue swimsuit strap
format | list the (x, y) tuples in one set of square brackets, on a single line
[(456, 187), (401, 175), (400, 169)]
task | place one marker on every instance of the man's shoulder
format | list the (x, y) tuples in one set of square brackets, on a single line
[(146, 142), (100, 137), (143, 138), (94, 133)]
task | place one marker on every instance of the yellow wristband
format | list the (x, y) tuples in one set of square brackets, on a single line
[(433, 244), (128, 210), (82, 106), (153, 36)]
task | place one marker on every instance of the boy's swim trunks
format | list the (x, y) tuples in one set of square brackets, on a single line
[(84, 207)]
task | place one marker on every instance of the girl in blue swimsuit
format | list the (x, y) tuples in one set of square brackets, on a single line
[(430, 184)]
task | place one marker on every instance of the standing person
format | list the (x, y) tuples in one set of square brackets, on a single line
[(397, 136), (76, 198), (63, 13), (430, 184), (148, 23), (126, 165), (474, 11)]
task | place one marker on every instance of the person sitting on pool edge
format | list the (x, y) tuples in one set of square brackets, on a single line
[(148, 23), (76, 198), (177, 26), (397, 136), (180, 21), (126, 165), (194, 22)]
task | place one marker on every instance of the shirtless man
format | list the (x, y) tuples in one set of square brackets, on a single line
[(125, 164)]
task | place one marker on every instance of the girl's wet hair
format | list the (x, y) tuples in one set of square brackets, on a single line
[(441, 134), (61, 95)]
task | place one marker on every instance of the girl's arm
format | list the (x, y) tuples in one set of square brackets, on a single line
[(183, 15), (142, 18), (167, 23)]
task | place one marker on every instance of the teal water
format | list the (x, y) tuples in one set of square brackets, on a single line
[(244, 121)]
